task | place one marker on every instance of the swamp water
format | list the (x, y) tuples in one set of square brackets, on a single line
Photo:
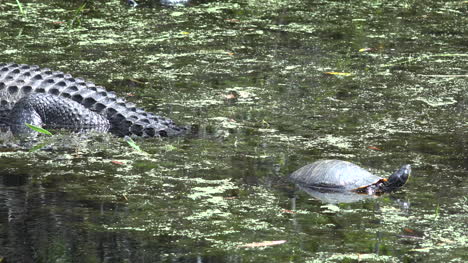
[(267, 87)]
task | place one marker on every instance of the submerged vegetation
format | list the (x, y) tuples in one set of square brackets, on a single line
[(266, 87)]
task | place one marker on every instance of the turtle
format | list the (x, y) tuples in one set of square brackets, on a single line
[(338, 175)]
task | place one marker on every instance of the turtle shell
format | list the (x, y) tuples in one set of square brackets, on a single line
[(334, 175)]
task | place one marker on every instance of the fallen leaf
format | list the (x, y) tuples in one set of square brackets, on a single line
[(231, 96), (264, 243), (288, 211), (330, 208), (423, 249), (117, 162), (136, 81), (411, 233), (366, 49), (374, 148), (409, 237), (338, 73)]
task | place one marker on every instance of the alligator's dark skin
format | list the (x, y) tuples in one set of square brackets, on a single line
[(49, 98)]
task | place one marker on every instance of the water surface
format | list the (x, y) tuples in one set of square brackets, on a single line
[(267, 87)]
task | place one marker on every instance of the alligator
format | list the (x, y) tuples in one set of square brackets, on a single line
[(53, 99), (168, 3)]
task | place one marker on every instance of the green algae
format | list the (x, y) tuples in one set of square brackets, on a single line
[(250, 76)]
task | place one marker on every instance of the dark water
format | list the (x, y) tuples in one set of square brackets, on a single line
[(250, 78)]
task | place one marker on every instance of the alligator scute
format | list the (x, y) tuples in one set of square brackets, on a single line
[(55, 99)]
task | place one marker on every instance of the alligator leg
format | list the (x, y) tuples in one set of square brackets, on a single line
[(47, 110)]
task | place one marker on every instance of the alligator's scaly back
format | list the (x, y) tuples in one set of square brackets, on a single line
[(21, 81)]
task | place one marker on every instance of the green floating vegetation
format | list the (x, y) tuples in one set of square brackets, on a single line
[(267, 86), (409, 60)]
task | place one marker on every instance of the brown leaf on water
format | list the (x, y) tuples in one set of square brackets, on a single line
[(411, 233), (374, 148), (288, 211), (338, 73), (231, 96), (366, 49), (264, 244), (137, 81), (122, 197), (117, 162)]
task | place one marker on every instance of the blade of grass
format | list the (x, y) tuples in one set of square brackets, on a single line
[(38, 129), (35, 149), (133, 144), (76, 17), (20, 7)]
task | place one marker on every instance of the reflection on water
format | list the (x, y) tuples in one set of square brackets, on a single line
[(336, 197), (41, 226)]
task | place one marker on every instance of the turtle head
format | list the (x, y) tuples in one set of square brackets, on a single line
[(398, 178)]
